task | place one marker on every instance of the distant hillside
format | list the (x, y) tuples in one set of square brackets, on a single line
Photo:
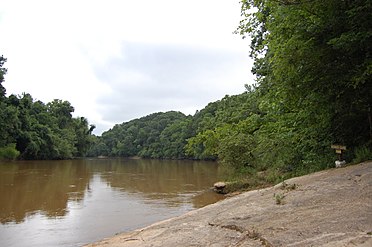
[(165, 135), (158, 135)]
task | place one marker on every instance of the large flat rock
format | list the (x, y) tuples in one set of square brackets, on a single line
[(327, 208)]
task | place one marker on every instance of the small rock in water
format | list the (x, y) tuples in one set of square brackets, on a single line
[(219, 187)]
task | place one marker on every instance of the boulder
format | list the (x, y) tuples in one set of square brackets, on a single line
[(219, 187)]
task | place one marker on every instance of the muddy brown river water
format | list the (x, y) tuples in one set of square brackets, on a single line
[(74, 202)]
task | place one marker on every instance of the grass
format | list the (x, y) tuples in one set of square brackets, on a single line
[(362, 154), (279, 198)]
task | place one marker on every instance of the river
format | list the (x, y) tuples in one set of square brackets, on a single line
[(74, 202)]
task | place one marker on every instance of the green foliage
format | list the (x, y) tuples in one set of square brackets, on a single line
[(315, 56), (313, 67), (362, 153), (236, 147), (9, 152), (279, 198), (33, 130), (2, 73), (313, 70), (158, 135)]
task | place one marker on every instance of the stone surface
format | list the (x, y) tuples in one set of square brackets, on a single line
[(219, 185), (328, 208)]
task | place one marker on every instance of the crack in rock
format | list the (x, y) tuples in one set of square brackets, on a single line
[(251, 234)]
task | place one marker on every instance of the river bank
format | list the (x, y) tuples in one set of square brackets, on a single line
[(327, 208)]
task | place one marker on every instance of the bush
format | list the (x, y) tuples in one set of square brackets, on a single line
[(9, 152), (362, 153)]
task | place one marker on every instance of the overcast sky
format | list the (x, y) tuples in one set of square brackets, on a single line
[(117, 60)]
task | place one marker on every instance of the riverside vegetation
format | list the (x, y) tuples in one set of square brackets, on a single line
[(312, 62), (31, 129)]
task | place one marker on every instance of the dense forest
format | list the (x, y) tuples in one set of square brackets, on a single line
[(31, 129), (313, 88), (159, 135)]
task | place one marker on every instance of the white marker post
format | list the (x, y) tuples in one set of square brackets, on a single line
[(339, 150)]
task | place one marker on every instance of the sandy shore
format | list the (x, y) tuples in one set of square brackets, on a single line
[(328, 208)]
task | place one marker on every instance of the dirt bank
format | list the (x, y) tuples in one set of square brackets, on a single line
[(328, 208)]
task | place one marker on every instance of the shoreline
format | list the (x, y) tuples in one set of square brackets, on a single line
[(327, 208)]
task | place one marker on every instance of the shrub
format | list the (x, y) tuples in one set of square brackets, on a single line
[(9, 152), (362, 153)]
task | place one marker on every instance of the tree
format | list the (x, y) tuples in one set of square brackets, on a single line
[(83, 135), (62, 111), (313, 64), (2, 74)]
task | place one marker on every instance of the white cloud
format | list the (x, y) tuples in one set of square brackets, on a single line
[(66, 50)]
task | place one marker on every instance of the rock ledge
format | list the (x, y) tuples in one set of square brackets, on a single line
[(327, 208)]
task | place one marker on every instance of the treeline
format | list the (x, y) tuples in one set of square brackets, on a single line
[(31, 129), (313, 88), (166, 135), (159, 135)]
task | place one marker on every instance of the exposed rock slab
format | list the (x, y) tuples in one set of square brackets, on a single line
[(328, 208)]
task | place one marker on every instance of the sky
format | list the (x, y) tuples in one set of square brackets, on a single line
[(117, 60)]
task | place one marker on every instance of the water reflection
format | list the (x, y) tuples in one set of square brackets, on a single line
[(27, 188), (48, 187), (169, 181)]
